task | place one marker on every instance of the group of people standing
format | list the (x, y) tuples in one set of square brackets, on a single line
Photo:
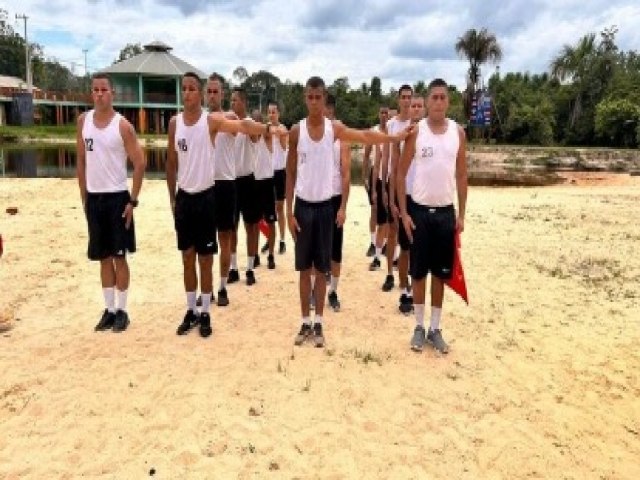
[(224, 165)]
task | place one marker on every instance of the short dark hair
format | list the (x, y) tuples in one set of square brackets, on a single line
[(315, 82), (437, 82), (102, 76), (274, 103), (331, 101), (405, 87), (242, 93), (193, 75), (216, 77)]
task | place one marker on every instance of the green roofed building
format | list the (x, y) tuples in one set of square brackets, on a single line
[(147, 87)]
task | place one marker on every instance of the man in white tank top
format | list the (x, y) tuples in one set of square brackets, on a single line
[(437, 148), (265, 189), (225, 186), (340, 186), (246, 205), (190, 166), (368, 177), (390, 156), (104, 140), (406, 296), (310, 169), (278, 152)]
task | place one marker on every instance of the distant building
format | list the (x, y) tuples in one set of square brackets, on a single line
[(147, 87)]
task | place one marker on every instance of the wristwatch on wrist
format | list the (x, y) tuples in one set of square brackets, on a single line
[(133, 202)]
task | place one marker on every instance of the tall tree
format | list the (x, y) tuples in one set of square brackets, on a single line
[(129, 50), (240, 74), (478, 47)]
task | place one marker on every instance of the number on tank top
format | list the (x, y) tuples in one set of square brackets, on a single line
[(182, 144), (88, 142)]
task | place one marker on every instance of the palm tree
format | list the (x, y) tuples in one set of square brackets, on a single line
[(478, 47), (572, 63)]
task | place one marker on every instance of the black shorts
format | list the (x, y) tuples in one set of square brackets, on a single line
[(195, 221), (280, 183), (433, 244), (108, 236), (247, 199), (313, 243), (338, 232), (225, 193), (403, 240), (266, 199), (382, 214)]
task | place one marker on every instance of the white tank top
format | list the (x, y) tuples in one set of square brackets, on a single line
[(315, 164), (245, 153), (224, 151), (105, 156), (264, 161), (394, 126), (337, 172), (278, 154), (195, 155), (434, 182)]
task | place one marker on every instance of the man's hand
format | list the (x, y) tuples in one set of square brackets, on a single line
[(409, 226), (460, 224), (341, 216), (127, 215), (294, 228)]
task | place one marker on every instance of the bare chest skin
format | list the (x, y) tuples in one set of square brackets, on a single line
[(315, 129)]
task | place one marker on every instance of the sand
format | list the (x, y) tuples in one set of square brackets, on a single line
[(542, 380)]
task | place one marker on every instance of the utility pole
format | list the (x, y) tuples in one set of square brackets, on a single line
[(85, 50), (26, 48)]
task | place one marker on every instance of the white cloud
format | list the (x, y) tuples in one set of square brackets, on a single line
[(400, 42)]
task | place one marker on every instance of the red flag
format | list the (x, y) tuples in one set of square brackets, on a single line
[(457, 282), (264, 227)]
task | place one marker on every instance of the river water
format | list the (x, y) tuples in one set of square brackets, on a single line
[(59, 161)]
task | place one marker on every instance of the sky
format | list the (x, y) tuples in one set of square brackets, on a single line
[(398, 41)]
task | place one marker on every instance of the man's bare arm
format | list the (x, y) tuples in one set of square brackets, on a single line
[(135, 154), (172, 163), (461, 178), (81, 169)]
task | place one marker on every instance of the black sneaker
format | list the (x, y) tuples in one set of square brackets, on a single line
[(265, 248), (406, 304), (256, 261), (233, 276), (375, 264), (205, 325), (190, 320), (121, 321), (251, 278), (371, 251), (418, 339), (333, 301), (271, 263), (387, 286), (303, 334), (106, 322), (318, 336), (223, 299), (283, 248)]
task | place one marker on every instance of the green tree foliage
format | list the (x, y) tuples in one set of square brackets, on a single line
[(616, 122), (129, 50)]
